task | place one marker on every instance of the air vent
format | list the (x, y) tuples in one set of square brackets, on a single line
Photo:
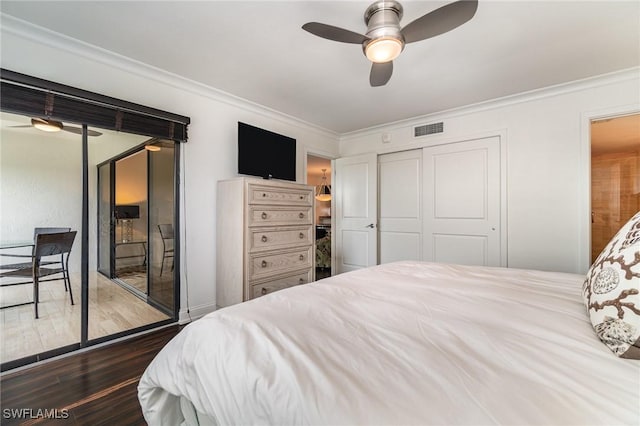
[(428, 129)]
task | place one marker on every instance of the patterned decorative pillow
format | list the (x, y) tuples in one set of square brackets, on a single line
[(611, 292)]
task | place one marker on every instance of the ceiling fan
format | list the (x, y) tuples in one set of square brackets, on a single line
[(385, 40), (48, 125)]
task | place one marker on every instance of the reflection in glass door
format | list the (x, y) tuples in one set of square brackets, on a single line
[(105, 221), (162, 225), (135, 284), (41, 188), (131, 222)]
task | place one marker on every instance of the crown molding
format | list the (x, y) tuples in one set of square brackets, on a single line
[(532, 95), (29, 31)]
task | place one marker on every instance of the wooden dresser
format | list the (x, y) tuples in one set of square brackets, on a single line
[(265, 238)]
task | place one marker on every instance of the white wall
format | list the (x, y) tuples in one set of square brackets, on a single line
[(547, 165), (41, 177), (210, 154)]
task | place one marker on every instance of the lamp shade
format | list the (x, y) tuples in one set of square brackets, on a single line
[(323, 191), (127, 212)]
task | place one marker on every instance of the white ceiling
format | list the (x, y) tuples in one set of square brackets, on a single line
[(256, 50)]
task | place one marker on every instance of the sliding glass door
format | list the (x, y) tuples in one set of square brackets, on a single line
[(135, 193), (105, 169)]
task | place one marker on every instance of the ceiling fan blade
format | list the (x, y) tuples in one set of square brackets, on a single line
[(380, 73), (440, 20), (78, 131), (334, 33)]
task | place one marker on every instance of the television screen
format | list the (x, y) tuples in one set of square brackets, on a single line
[(265, 154)]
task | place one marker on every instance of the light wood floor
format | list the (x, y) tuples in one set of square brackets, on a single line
[(112, 309)]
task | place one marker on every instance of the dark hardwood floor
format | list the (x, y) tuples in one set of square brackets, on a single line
[(97, 387)]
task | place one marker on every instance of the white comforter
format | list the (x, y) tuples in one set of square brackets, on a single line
[(402, 343)]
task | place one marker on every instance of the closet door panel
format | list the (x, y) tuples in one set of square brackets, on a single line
[(462, 204), (400, 206)]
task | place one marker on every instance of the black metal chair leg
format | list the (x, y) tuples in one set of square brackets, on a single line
[(162, 266), (68, 280), (65, 274), (36, 297)]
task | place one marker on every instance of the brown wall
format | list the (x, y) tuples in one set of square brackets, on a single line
[(615, 195)]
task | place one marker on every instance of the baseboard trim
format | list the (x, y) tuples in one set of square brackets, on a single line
[(187, 315)]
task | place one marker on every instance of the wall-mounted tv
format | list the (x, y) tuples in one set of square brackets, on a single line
[(265, 154)]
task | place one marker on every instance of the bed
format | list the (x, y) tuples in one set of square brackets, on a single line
[(400, 343)]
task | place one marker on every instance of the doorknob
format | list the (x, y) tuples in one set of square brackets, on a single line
[(371, 225)]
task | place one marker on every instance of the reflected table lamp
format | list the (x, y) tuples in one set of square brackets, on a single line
[(124, 214)]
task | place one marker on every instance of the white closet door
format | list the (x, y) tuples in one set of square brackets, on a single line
[(400, 201), (356, 205), (462, 202)]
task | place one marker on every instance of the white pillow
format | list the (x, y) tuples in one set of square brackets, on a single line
[(611, 292)]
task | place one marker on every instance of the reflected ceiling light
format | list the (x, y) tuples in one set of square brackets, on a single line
[(323, 191), (46, 125), (153, 148)]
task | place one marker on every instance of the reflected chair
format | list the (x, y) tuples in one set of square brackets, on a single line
[(46, 244), (166, 232), (43, 230), (36, 231)]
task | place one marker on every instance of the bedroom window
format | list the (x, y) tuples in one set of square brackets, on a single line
[(55, 177)]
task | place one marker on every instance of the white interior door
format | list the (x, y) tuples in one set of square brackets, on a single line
[(462, 202), (400, 206), (356, 204)]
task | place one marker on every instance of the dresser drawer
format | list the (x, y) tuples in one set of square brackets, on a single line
[(280, 216), (267, 287), (261, 239), (259, 194), (270, 264)]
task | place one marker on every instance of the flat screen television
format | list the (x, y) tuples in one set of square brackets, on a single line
[(265, 154)]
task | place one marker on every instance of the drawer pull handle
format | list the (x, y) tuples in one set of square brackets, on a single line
[(264, 238), (263, 215), (301, 280), (264, 194), (302, 197), (263, 291), (301, 215), (301, 235), (264, 263), (302, 257)]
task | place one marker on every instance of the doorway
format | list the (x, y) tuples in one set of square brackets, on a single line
[(615, 177), (319, 175)]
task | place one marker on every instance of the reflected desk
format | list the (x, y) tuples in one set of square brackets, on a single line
[(141, 243), (14, 244), (11, 244)]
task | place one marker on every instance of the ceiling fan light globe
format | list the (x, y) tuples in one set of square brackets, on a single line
[(383, 49), (46, 125)]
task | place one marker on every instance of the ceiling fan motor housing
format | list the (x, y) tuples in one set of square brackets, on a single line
[(383, 21)]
